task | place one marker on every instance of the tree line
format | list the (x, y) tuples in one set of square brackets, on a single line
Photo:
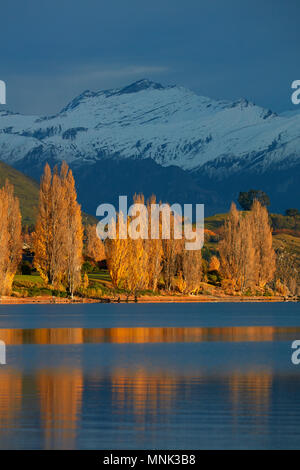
[(245, 259), (143, 264)]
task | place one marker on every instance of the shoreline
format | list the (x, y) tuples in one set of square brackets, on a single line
[(142, 300)]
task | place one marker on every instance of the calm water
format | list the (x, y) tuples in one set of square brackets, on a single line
[(149, 376)]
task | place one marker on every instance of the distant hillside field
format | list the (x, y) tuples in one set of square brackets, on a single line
[(26, 189)]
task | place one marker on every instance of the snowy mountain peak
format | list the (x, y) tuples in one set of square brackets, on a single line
[(170, 125), (140, 85), (78, 100), (135, 87)]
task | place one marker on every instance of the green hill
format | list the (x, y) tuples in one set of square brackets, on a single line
[(215, 222), (27, 190)]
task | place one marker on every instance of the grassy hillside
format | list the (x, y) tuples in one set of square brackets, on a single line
[(27, 190), (291, 243), (215, 222)]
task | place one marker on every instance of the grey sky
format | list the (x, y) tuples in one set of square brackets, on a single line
[(52, 51)]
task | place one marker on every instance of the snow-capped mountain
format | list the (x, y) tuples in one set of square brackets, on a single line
[(171, 126)]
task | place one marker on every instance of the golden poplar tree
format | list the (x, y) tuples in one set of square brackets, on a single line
[(58, 237), (3, 238), (10, 237), (265, 263), (171, 250), (170, 260), (229, 245), (117, 255), (73, 234), (136, 274), (49, 237), (237, 253), (191, 270), (94, 247), (154, 251), (246, 252)]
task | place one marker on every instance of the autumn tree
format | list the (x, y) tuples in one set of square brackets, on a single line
[(171, 248), (49, 237), (94, 247), (3, 239), (265, 258), (73, 244), (137, 262), (136, 274), (246, 252), (117, 253), (236, 250), (228, 245), (154, 251), (59, 233), (134, 263), (191, 269), (10, 237)]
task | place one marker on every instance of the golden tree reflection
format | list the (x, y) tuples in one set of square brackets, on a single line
[(10, 396), (143, 334), (60, 393), (250, 395), (140, 389)]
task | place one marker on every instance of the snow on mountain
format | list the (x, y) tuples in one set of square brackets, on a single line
[(171, 125)]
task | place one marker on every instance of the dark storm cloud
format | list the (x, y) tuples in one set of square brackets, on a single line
[(51, 51)]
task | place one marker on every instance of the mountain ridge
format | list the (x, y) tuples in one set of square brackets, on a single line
[(210, 140)]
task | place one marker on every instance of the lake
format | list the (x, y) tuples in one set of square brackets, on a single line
[(150, 376)]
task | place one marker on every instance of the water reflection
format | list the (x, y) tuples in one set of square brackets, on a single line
[(60, 395), (131, 403), (251, 392), (137, 388), (145, 335), (10, 396)]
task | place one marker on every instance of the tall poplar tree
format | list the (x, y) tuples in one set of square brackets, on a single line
[(265, 262), (10, 237), (191, 269), (154, 251), (228, 246), (58, 238), (49, 237), (94, 247), (73, 232), (246, 252)]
